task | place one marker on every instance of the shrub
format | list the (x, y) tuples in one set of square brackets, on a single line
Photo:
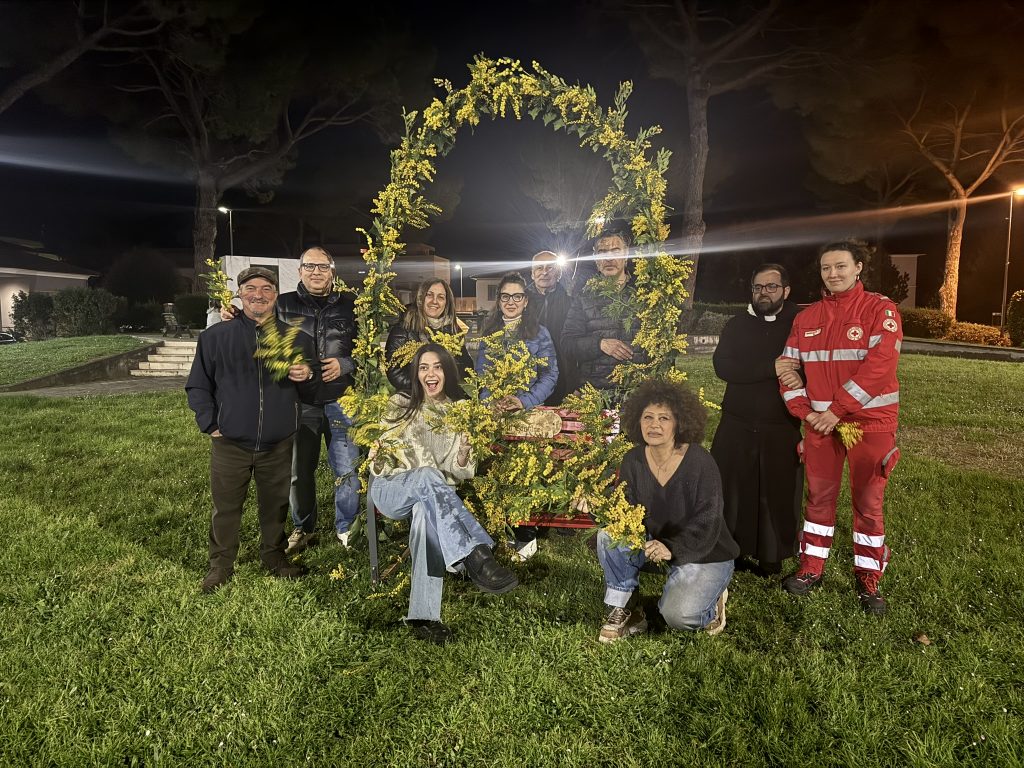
[(691, 321), (191, 309), (84, 311), (33, 314), (145, 316), (925, 323), (975, 333), (1015, 319), (711, 324)]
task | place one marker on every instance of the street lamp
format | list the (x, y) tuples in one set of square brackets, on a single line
[(1019, 191), (231, 227), (458, 268)]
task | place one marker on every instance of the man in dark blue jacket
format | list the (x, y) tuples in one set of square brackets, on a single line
[(251, 420)]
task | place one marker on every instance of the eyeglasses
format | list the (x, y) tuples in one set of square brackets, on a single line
[(318, 267), (767, 288), (517, 298)]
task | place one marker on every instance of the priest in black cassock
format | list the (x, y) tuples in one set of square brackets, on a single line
[(756, 442)]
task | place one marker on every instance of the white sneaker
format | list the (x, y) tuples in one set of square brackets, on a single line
[(523, 550), (343, 538), (717, 624), (298, 541)]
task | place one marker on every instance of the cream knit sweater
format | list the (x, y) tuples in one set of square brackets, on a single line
[(412, 443)]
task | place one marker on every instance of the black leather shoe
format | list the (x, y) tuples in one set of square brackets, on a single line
[(286, 570), (431, 631), (487, 573)]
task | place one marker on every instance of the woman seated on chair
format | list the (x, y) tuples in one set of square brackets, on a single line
[(677, 482), (433, 310), (415, 467), (512, 314)]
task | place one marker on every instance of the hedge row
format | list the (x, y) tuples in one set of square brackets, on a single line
[(933, 324)]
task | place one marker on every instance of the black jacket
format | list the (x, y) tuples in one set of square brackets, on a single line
[(331, 331), (231, 391), (552, 308), (586, 326), (398, 336)]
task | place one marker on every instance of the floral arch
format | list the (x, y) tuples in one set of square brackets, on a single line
[(500, 88)]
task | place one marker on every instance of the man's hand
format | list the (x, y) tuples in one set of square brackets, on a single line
[(228, 312), (792, 380), (510, 403), (300, 373), (656, 551), (785, 365), (330, 369), (823, 421), (617, 349)]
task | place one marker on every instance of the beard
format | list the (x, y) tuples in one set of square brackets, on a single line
[(763, 307)]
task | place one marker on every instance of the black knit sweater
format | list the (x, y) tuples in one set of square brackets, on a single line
[(686, 514)]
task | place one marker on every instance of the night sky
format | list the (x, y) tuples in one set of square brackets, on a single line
[(66, 184)]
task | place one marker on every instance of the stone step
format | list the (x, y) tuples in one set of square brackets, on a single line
[(178, 374), (181, 344), (167, 357), (184, 367)]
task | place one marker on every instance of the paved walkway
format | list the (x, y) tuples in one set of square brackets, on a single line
[(134, 385)]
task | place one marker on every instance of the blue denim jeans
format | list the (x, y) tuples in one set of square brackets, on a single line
[(329, 423), (691, 590), (442, 531)]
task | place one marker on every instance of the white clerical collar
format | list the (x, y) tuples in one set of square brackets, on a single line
[(766, 318)]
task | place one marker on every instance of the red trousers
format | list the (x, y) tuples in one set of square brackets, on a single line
[(871, 461)]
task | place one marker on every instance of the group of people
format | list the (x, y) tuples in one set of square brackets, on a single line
[(706, 512)]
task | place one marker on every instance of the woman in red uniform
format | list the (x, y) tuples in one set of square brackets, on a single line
[(848, 346)]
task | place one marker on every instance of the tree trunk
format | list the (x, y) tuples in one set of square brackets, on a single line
[(692, 238), (204, 228), (951, 273)]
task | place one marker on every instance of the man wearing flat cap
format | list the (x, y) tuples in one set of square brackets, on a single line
[(251, 420)]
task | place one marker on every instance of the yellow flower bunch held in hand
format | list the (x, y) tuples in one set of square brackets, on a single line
[(278, 351), (217, 284), (849, 433)]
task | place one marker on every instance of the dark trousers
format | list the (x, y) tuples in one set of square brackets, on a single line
[(231, 467)]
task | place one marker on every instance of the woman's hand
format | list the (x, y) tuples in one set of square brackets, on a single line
[(465, 448), (657, 552), (510, 403), (785, 365)]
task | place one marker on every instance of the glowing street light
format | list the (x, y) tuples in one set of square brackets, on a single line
[(231, 226), (1017, 192), (458, 268)]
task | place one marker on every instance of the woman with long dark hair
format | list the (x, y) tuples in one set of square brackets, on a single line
[(677, 482), (415, 468), (433, 309), (512, 314)]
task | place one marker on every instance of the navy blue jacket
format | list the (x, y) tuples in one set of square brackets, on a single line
[(231, 391), (541, 347)]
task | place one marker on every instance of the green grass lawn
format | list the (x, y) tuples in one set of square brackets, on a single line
[(22, 362), (110, 655)]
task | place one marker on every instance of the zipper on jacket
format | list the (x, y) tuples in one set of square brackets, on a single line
[(259, 378)]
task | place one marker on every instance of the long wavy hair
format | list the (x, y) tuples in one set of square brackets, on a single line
[(417, 395), (415, 318), (529, 323)]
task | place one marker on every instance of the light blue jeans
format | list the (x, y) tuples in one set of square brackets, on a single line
[(691, 590), (329, 423), (442, 531)]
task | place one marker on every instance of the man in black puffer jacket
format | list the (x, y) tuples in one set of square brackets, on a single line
[(596, 340), (251, 420), (327, 317)]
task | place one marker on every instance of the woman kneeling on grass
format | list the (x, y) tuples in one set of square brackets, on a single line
[(415, 475), (677, 482)]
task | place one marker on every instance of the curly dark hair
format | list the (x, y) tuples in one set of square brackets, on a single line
[(691, 416)]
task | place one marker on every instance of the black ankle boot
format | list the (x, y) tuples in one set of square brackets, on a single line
[(487, 573)]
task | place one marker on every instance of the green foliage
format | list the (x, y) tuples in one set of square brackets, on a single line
[(975, 333), (33, 314), (881, 276), (693, 321), (711, 324), (23, 362), (147, 316), (84, 311), (191, 309), (141, 275), (925, 323), (1015, 319), (111, 656)]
